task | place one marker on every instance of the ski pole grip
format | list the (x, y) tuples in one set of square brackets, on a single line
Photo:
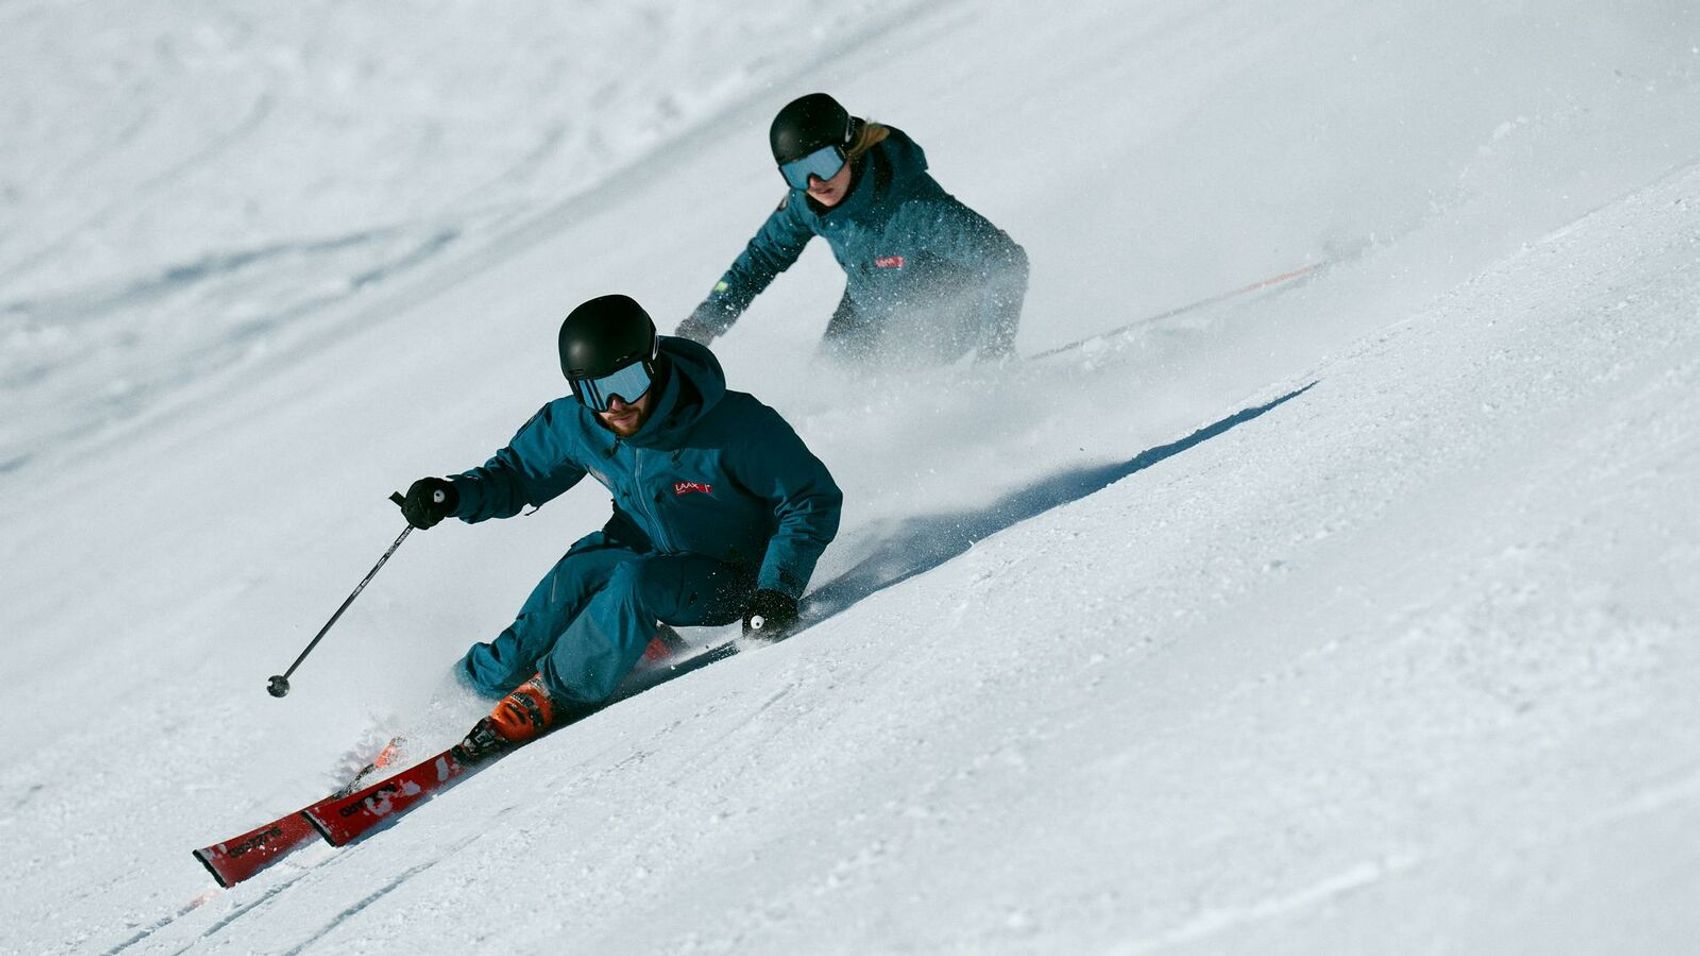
[(401, 499)]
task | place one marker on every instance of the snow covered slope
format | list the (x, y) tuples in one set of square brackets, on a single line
[(1354, 615)]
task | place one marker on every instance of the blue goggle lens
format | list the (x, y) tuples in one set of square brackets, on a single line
[(823, 163), (627, 384)]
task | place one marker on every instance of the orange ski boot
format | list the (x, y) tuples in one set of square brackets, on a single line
[(520, 717)]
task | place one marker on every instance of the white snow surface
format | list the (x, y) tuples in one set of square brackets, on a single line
[(1346, 615)]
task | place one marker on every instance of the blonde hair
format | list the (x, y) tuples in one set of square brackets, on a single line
[(870, 135)]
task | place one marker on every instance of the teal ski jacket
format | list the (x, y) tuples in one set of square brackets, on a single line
[(907, 247), (711, 472)]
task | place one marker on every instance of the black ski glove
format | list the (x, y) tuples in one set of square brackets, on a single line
[(428, 501), (771, 615)]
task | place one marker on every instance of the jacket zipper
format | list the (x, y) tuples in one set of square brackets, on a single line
[(647, 503)]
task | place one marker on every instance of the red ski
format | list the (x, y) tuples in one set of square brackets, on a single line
[(344, 818), (348, 815), (238, 858)]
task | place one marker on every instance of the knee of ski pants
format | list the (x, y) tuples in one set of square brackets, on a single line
[(596, 650), (496, 667), (604, 642)]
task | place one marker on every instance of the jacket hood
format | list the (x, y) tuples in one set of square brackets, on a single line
[(694, 383), (907, 158)]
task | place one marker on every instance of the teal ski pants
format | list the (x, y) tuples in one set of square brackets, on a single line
[(590, 618)]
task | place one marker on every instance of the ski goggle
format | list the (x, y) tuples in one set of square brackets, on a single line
[(628, 384), (823, 163)]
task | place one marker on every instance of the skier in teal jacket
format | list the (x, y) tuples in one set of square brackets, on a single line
[(926, 276), (720, 513)]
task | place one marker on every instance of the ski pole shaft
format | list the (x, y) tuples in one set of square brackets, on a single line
[(279, 684)]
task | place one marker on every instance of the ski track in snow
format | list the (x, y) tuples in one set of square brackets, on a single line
[(376, 895), (1351, 614)]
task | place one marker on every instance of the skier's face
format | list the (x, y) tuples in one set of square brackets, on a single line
[(830, 192), (625, 418)]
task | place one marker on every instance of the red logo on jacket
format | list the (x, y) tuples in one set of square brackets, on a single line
[(889, 262), (682, 488)]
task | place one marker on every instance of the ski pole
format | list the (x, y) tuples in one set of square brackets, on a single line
[(279, 683)]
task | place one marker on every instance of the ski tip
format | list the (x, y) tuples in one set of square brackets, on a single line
[(207, 862)]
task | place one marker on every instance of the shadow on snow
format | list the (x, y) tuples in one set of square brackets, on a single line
[(923, 543)]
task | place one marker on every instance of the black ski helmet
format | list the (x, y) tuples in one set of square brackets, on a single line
[(806, 124), (605, 334)]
